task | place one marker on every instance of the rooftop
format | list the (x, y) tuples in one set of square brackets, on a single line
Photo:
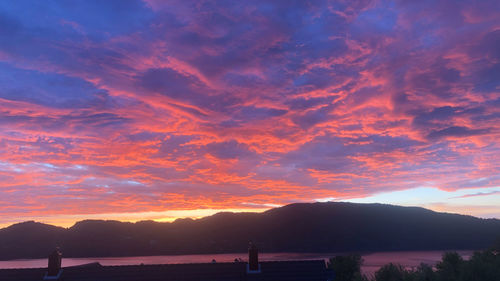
[(308, 270)]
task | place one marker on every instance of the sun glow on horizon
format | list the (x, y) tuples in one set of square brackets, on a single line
[(67, 221)]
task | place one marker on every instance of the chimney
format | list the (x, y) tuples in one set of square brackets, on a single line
[(54, 268), (253, 259)]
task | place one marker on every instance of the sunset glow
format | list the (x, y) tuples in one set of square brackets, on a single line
[(136, 110)]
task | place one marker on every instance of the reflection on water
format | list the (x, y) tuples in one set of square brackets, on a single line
[(372, 261)]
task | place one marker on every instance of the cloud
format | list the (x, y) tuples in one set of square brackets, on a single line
[(169, 82), (142, 106), (478, 194), (457, 131), (50, 89), (313, 117), (228, 150), (302, 103)]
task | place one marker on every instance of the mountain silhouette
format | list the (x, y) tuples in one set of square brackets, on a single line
[(302, 227)]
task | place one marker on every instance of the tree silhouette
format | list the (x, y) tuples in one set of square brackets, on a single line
[(347, 268), (391, 272), (450, 268)]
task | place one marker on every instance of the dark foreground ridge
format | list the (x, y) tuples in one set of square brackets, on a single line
[(315, 227)]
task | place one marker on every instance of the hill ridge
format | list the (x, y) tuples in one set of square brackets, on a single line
[(298, 227)]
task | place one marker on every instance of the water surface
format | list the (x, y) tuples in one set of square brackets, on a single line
[(372, 261)]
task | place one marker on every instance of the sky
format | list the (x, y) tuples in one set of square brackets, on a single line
[(137, 110)]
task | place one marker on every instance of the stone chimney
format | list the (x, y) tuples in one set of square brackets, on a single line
[(253, 259), (54, 268)]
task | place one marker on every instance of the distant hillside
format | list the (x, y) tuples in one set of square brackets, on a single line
[(317, 227)]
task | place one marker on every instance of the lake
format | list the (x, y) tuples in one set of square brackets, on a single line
[(372, 261)]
